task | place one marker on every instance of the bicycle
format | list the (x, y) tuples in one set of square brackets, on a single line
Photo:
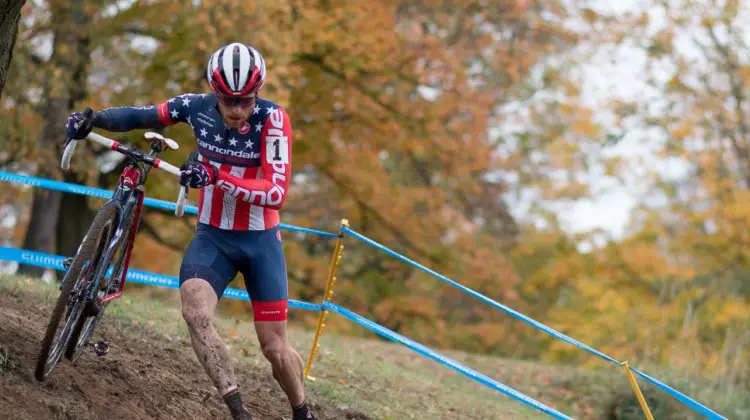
[(95, 276)]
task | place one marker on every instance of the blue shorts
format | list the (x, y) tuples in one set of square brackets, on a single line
[(216, 255)]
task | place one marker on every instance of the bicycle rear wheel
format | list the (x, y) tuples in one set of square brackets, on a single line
[(86, 324), (71, 302)]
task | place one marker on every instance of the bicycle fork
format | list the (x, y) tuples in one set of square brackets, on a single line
[(126, 263)]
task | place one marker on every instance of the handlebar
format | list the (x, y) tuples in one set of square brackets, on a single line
[(135, 154)]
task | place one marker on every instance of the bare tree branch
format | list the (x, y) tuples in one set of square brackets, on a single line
[(731, 68)]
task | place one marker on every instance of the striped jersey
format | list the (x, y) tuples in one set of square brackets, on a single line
[(254, 162)]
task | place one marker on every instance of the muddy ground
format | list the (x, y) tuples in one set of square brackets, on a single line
[(144, 376)]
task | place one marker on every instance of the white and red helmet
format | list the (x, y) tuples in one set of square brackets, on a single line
[(236, 70)]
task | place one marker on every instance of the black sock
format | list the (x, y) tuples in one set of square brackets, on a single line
[(302, 412), (233, 399)]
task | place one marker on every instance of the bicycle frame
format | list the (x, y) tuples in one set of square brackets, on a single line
[(127, 201), (128, 198)]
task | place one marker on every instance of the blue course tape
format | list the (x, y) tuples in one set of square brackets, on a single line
[(431, 354), (100, 193), (512, 312), (143, 277), (43, 260), (698, 407), (695, 405)]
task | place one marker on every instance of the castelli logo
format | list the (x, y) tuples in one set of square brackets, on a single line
[(245, 128)]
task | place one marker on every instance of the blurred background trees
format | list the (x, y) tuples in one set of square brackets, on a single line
[(456, 133)]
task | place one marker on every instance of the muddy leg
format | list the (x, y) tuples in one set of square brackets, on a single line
[(198, 305)]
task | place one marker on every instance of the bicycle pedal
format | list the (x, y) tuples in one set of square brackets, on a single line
[(101, 348)]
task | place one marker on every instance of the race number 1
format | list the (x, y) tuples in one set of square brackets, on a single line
[(277, 150)]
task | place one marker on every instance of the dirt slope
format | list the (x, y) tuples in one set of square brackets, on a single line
[(143, 377)]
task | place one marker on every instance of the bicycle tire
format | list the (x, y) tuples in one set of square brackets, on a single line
[(51, 350), (85, 326)]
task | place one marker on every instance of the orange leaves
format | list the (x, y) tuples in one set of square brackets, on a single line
[(744, 74), (675, 84), (728, 311), (684, 129), (490, 334), (644, 259), (586, 128), (662, 43), (679, 271), (737, 211), (589, 15), (406, 306)]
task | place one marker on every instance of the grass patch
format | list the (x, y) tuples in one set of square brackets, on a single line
[(7, 361)]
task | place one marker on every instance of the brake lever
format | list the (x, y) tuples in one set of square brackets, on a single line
[(67, 154), (182, 197)]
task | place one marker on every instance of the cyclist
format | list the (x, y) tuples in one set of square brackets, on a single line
[(243, 170)]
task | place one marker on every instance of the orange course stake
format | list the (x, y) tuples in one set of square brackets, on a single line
[(335, 260)]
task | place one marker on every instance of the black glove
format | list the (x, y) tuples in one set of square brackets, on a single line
[(79, 125), (194, 174)]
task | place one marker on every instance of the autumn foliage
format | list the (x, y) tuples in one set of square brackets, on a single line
[(424, 124)]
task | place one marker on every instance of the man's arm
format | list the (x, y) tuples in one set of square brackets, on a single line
[(154, 116), (276, 165)]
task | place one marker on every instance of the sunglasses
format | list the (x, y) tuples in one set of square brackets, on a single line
[(244, 101)]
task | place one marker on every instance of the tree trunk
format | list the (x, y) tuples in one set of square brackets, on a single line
[(10, 13), (74, 215), (74, 220), (44, 208), (67, 69)]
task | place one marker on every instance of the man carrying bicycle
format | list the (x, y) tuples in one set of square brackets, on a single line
[(243, 171)]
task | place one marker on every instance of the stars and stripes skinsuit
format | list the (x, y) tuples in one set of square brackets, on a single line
[(239, 214)]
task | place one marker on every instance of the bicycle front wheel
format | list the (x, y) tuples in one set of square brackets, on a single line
[(72, 300), (84, 328)]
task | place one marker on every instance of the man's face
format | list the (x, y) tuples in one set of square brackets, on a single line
[(236, 110)]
